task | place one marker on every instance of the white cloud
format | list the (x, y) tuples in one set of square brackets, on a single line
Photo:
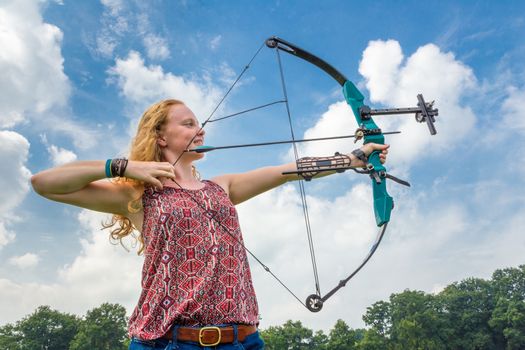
[(115, 22), (32, 79), (336, 121), (121, 19), (6, 236), (514, 110), (102, 272), (156, 47), (34, 87), (380, 65), (435, 74), (215, 42), (14, 181), (24, 261), (144, 85), (60, 155), (114, 6)]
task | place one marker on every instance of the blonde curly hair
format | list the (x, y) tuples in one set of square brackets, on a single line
[(144, 147)]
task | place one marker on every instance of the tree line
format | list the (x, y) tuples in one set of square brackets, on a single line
[(471, 314)]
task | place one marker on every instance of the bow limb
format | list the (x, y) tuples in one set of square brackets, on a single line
[(383, 202)]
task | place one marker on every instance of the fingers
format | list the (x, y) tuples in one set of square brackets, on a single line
[(167, 169), (384, 152), (371, 147), (161, 172), (156, 183), (382, 148)]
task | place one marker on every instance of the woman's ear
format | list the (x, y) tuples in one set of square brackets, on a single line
[(161, 141)]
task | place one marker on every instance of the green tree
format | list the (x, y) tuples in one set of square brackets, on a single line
[(467, 308), (372, 340), (416, 321), (410, 320), (45, 329), (292, 336), (379, 318), (509, 283), (341, 337), (10, 338), (103, 328), (508, 317), (508, 321)]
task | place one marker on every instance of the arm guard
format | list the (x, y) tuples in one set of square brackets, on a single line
[(309, 167)]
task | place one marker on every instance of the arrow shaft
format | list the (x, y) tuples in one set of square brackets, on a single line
[(281, 142)]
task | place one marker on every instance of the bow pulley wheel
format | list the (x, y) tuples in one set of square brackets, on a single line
[(314, 303), (271, 43)]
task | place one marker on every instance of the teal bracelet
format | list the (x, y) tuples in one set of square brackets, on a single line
[(108, 168)]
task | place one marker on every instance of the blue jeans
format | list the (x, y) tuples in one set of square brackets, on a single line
[(251, 342)]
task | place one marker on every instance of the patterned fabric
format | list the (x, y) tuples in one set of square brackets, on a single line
[(195, 272)]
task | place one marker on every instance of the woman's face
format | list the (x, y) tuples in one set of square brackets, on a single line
[(181, 128)]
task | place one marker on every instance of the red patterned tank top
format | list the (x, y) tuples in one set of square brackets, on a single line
[(195, 270)]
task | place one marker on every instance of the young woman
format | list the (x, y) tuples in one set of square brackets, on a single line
[(196, 284)]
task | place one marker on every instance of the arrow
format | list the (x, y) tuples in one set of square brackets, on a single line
[(203, 149)]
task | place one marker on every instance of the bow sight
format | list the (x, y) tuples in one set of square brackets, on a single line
[(425, 112)]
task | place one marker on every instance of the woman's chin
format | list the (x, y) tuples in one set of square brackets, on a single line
[(197, 156)]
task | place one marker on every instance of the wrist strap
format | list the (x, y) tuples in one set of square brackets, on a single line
[(360, 155)]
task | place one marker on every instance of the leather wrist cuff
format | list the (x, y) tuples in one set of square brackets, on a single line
[(360, 155)]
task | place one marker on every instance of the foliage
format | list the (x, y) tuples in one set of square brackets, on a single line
[(103, 328), (43, 329), (471, 314), (290, 336)]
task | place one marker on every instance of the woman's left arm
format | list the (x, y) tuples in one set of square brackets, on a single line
[(244, 186)]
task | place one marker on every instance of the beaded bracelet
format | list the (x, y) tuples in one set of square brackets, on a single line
[(116, 167), (108, 168)]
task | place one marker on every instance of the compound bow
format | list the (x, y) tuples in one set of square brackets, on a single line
[(370, 133), (367, 130)]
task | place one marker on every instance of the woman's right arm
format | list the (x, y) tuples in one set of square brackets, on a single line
[(83, 184)]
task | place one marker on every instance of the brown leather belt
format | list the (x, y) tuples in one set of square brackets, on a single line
[(211, 336)]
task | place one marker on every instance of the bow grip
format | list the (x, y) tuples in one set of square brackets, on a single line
[(383, 202)]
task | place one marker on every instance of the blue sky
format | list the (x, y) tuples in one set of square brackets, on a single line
[(76, 76)]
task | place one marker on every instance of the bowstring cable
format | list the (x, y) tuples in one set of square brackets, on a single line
[(246, 67), (301, 183), (245, 111)]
